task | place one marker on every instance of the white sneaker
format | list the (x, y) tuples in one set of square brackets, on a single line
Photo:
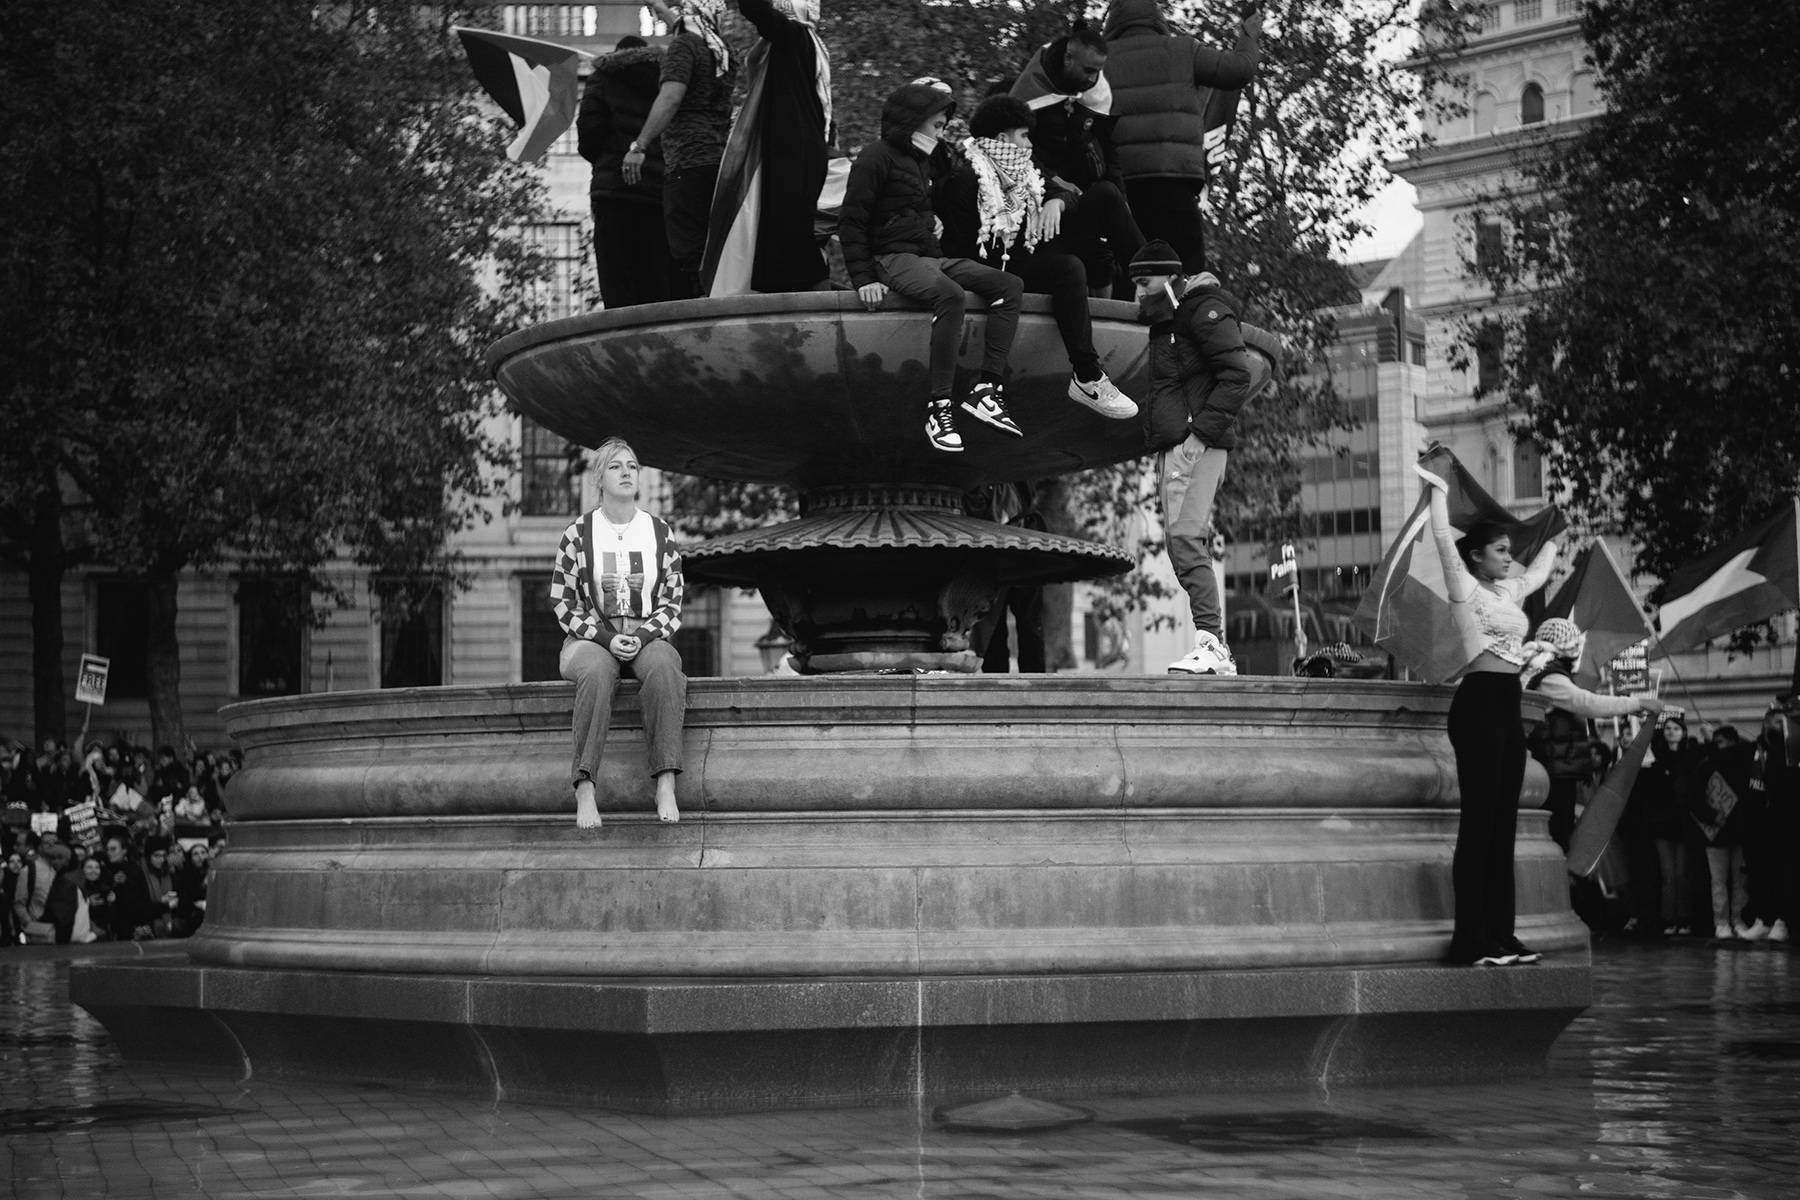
[(1778, 932), (1101, 396), (1754, 933), (1210, 656), (1722, 932)]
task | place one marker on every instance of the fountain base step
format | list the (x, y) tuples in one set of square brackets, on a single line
[(729, 1044)]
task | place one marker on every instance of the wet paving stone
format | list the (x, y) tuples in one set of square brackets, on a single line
[(1256, 1133), (1678, 1084)]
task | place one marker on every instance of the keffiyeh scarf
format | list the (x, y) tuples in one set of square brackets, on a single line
[(1009, 195), (702, 17)]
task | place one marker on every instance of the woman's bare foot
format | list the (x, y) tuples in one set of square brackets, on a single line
[(587, 816), (666, 811)]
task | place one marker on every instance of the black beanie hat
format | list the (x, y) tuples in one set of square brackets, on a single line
[(997, 114), (1156, 258)]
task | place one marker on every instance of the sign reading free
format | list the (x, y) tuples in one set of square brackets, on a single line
[(90, 684)]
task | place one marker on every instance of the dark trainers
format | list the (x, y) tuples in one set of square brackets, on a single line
[(986, 403), (940, 426), (1479, 956), (1521, 953)]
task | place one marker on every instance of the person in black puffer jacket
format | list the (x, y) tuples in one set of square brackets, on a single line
[(890, 239), (631, 248), (1162, 85)]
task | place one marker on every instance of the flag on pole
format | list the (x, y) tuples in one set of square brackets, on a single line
[(1749, 579), (1406, 609), (537, 83), (1600, 817), (1602, 605)]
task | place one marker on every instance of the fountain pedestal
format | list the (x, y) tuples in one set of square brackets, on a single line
[(887, 887)]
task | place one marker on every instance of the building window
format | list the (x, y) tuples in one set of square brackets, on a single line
[(1531, 105), (540, 634), (1566, 7), (550, 467), (698, 637), (271, 641), (1486, 109), (1584, 96), (1525, 11), (1490, 348), (560, 243), (412, 634), (1490, 246), (1488, 19), (122, 636), (557, 20), (1528, 469), (1418, 352)]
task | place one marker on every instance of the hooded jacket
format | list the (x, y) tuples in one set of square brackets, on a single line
[(887, 201), (1072, 140), (617, 99), (1160, 81), (1200, 371)]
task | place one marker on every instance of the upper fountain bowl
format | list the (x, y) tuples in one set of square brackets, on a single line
[(812, 390)]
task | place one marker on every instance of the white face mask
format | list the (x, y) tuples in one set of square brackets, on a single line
[(924, 143)]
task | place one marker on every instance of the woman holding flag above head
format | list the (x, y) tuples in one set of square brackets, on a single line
[(1486, 729)]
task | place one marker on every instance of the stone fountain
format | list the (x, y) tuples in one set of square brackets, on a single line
[(887, 886)]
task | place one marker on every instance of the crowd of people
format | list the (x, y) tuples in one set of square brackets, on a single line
[(117, 845), (1709, 841), (1076, 160), (1078, 175)]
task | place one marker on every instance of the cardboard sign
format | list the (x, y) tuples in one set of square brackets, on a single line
[(1630, 671), (90, 685)]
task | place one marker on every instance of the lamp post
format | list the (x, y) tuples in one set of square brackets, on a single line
[(773, 646)]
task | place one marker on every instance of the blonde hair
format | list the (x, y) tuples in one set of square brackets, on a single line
[(608, 450)]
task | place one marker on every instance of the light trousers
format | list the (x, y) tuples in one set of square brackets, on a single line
[(663, 695), (1190, 475)]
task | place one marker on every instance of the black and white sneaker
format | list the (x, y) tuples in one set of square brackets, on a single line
[(940, 426), (987, 403), (1521, 953)]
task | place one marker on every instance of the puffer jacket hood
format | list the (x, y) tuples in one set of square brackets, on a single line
[(909, 107), (1135, 16), (624, 60)]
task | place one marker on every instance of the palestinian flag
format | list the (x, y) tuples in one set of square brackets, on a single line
[(1603, 606), (1749, 579), (1406, 609), (537, 83), (1035, 87)]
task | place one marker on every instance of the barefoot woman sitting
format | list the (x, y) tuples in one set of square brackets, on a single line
[(616, 588)]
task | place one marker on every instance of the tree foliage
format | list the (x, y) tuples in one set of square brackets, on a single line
[(254, 251), (1650, 345)]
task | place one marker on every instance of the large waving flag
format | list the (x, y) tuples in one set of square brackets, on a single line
[(537, 83), (1749, 579), (1406, 609), (1603, 606)]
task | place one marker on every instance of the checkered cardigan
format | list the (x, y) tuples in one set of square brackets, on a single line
[(572, 586)]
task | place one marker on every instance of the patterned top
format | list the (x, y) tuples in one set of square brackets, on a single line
[(695, 135), (636, 573), (1489, 614)]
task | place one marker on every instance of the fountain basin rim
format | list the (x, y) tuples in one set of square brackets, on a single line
[(674, 312)]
